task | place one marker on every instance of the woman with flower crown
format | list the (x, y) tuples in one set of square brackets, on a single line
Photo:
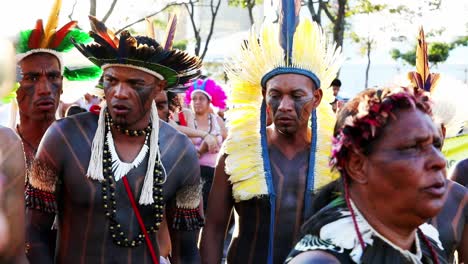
[(387, 150)]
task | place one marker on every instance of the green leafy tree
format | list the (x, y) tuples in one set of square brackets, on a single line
[(437, 52)]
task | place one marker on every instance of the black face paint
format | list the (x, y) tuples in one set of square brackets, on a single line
[(144, 96), (28, 95)]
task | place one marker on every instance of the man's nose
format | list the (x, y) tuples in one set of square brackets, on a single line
[(121, 91), (286, 104), (44, 87)]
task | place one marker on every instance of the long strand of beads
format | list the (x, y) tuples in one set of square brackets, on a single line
[(119, 237)]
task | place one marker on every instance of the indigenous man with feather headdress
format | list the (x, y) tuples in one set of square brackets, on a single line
[(268, 175), (110, 178)]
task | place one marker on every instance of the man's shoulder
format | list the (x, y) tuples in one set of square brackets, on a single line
[(8, 136), (170, 133), (82, 119)]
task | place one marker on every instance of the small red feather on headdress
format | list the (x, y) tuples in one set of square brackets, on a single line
[(61, 33), (101, 30), (36, 35)]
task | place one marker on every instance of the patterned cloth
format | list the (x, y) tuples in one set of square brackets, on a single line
[(334, 233)]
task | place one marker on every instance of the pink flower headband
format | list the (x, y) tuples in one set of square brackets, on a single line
[(366, 122), (208, 87)]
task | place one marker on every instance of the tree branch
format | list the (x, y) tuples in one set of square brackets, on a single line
[(327, 12), (214, 12), (70, 16), (150, 15), (109, 12), (196, 31), (92, 7)]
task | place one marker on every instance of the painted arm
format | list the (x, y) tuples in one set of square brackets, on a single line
[(183, 216), (220, 204), (13, 168), (41, 200), (191, 132)]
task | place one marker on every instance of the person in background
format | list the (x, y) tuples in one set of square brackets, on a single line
[(182, 119), (336, 85), (203, 94), (162, 104), (39, 55)]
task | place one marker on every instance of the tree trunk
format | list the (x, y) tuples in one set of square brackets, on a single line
[(339, 24), (369, 48), (92, 7), (316, 15), (214, 12), (196, 32), (250, 6), (109, 12)]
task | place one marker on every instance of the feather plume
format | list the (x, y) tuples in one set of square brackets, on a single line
[(422, 79), (422, 64), (288, 20), (150, 28), (100, 29), (61, 33), (170, 32), (36, 35), (52, 24), (77, 35)]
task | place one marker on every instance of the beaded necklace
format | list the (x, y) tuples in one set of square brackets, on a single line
[(109, 201), (128, 132), (209, 123)]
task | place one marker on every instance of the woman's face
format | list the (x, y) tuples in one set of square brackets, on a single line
[(200, 103), (406, 169)]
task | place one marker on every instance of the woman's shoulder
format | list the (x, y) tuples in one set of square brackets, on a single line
[(313, 249), (316, 256)]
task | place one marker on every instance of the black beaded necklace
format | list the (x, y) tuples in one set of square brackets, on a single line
[(109, 201), (128, 132)]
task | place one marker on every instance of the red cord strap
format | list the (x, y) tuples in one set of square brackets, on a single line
[(140, 220)]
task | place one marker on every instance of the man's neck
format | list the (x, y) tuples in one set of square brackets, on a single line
[(33, 130), (289, 144), (400, 234)]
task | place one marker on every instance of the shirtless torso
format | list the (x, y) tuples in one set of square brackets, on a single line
[(84, 235)]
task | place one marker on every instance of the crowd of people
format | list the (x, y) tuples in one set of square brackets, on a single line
[(161, 164)]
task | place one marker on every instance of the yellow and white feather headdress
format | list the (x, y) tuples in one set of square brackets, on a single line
[(288, 47)]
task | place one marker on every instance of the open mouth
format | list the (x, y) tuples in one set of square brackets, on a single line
[(120, 109)]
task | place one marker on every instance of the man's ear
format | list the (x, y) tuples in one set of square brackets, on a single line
[(356, 167), (318, 93)]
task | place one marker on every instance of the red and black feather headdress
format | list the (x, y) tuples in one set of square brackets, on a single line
[(142, 52)]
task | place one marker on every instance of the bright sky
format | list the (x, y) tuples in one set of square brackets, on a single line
[(22, 14)]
